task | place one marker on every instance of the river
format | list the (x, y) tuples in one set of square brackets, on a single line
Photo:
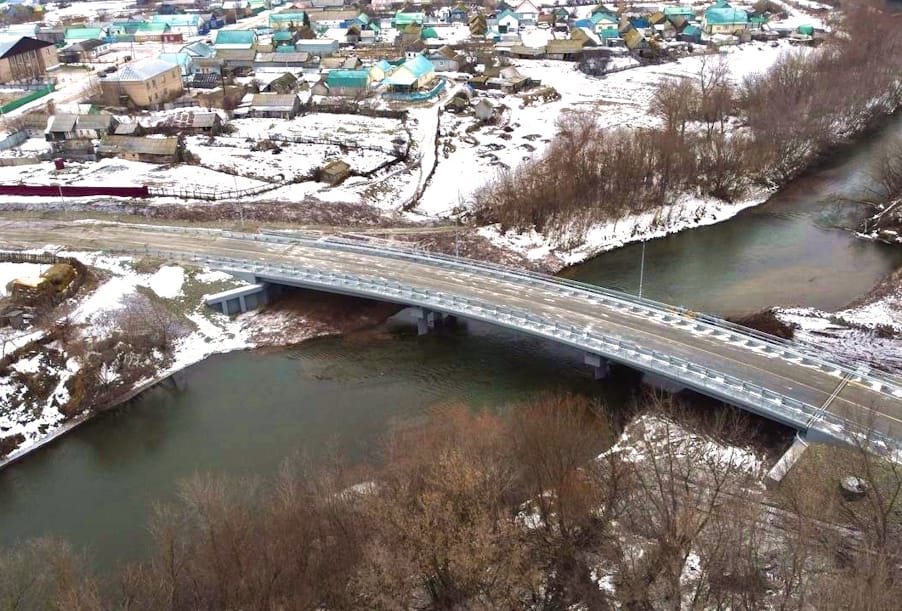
[(243, 413)]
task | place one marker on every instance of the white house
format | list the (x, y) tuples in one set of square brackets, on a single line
[(529, 13), (508, 22)]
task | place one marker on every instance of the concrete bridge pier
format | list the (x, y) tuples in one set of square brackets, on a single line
[(601, 366), (428, 320)]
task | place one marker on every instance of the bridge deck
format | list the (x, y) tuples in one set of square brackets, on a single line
[(549, 309)]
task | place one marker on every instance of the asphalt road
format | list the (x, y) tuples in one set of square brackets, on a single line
[(855, 401)]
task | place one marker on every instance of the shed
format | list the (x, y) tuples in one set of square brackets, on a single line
[(152, 150), (335, 172), (348, 82)]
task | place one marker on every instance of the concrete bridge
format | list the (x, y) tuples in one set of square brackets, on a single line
[(782, 381)]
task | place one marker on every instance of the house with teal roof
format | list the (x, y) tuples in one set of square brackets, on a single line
[(725, 20), (151, 31), (402, 20), (601, 21), (184, 61), (82, 34), (679, 11), (235, 39), (414, 74), (508, 22), (349, 83), (288, 20)]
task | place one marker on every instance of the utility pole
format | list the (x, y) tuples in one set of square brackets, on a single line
[(641, 269)]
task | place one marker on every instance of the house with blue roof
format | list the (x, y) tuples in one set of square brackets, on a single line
[(198, 49), (242, 40), (725, 20), (413, 74)]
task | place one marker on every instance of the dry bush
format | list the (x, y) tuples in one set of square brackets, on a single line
[(46, 574)]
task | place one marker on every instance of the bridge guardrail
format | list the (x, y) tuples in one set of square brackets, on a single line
[(758, 399), (801, 350), (806, 352)]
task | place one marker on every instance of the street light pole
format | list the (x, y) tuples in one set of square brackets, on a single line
[(641, 269)]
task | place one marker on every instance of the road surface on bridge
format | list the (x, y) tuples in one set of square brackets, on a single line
[(846, 396)]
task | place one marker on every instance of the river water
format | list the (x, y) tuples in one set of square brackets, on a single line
[(244, 413)]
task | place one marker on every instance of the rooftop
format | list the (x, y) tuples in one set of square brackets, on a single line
[(141, 70)]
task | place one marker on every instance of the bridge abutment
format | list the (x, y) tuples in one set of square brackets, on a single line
[(239, 300)]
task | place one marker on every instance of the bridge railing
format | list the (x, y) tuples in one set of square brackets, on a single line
[(756, 398), (796, 349), (808, 354)]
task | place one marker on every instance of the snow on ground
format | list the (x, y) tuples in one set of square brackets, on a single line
[(620, 99), (870, 332), (123, 173), (684, 214), (180, 289), (15, 271), (653, 434)]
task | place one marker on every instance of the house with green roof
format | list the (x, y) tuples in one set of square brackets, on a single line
[(288, 20), (402, 20), (679, 11), (151, 31), (725, 20), (81, 34), (601, 21), (691, 33), (235, 39), (349, 83)]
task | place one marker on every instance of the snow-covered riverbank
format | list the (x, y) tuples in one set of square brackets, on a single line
[(55, 378)]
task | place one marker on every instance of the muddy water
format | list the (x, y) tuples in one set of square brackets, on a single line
[(243, 413)]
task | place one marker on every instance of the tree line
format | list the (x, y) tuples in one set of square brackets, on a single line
[(540, 507), (717, 138)]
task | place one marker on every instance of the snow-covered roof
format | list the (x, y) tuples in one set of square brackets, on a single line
[(141, 70)]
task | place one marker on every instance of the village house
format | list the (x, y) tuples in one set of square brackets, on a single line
[(508, 22), (322, 47), (84, 52), (295, 59), (325, 20), (66, 126), (287, 20), (74, 35), (186, 25), (274, 106), (568, 50), (198, 49), (413, 74), (146, 83), (349, 83), (458, 13), (528, 13), (445, 59), (725, 20), (156, 32), (235, 40), (184, 61), (402, 20), (147, 149), (25, 58), (194, 122)]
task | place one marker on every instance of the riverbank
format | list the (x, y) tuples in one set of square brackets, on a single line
[(101, 351), (868, 330)]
